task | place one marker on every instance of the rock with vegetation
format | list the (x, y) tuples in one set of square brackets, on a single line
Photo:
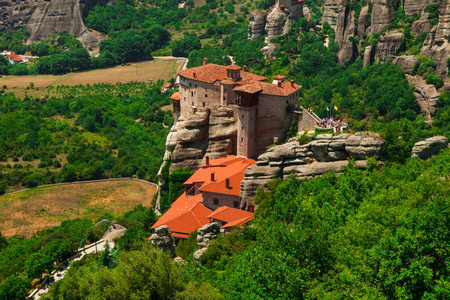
[(208, 233), (162, 239), (429, 147), (305, 161), (387, 46)]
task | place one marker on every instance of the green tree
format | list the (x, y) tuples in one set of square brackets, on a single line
[(36, 264), (13, 288)]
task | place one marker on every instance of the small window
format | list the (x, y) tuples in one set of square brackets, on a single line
[(190, 84), (195, 85), (236, 204), (192, 103), (203, 104), (206, 95), (242, 139), (242, 127), (216, 201), (242, 116), (192, 94)]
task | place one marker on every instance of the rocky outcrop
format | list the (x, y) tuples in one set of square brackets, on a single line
[(163, 240), (368, 56), (382, 15), (334, 13), (420, 26), (430, 147), (426, 95), (204, 133), (436, 44), (362, 19), (413, 7), (276, 24), (387, 46), (406, 62), (199, 253), (257, 25), (44, 18), (345, 53), (307, 161), (208, 233)]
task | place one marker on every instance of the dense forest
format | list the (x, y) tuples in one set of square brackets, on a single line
[(88, 132)]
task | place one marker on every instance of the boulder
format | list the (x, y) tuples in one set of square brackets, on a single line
[(256, 25), (162, 239), (199, 119), (199, 253), (429, 147), (208, 233)]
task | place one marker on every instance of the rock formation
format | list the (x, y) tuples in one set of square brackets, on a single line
[(163, 240), (257, 24), (276, 24), (413, 7), (429, 147), (426, 96), (334, 13), (199, 253), (205, 133), (208, 233), (382, 15), (406, 62), (44, 18), (57, 16), (387, 46), (307, 161), (436, 44), (422, 25)]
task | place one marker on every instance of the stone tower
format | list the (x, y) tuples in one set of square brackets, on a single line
[(247, 119)]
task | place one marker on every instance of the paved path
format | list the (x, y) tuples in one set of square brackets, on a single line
[(108, 237)]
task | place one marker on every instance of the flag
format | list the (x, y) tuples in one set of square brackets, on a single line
[(328, 109), (335, 108)]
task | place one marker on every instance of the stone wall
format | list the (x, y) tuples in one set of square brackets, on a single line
[(197, 95), (307, 161), (224, 200)]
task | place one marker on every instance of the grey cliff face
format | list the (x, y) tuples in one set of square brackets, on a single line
[(44, 18), (257, 24), (204, 133)]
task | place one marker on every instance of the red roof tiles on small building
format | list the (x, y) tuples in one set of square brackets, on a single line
[(175, 96), (238, 222), (229, 214)]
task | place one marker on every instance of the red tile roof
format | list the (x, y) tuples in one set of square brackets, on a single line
[(238, 222), (212, 73), (185, 215), (233, 67), (230, 167), (249, 82), (175, 96), (286, 88), (229, 214)]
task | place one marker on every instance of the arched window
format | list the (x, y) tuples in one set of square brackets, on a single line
[(216, 201)]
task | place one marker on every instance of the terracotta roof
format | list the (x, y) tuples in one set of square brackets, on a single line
[(230, 167), (212, 73), (185, 215), (279, 77), (233, 67), (238, 222), (175, 96), (13, 56), (228, 81), (286, 88), (229, 214), (250, 88)]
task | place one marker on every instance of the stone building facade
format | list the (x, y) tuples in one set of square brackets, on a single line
[(262, 110)]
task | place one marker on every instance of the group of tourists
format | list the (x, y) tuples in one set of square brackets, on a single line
[(331, 123)]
